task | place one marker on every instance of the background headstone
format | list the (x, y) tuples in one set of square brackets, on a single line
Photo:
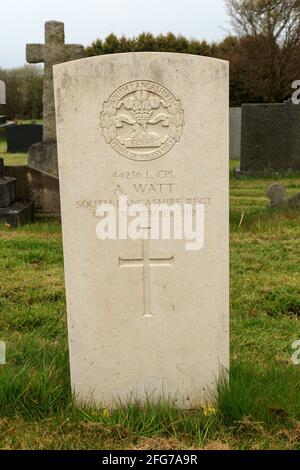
[(278, 197), (2, 93), (13, 210), (235, 131), (43, 155), (145, 318), (3, 121), (21, 137), (270, 137)]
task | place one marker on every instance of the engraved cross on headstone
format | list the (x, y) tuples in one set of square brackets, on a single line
[(55, 51), (146, 262)]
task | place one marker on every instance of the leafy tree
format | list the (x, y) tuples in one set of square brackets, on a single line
[(147, 42), (24, 88)]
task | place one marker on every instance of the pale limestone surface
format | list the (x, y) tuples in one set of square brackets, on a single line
[(159, 326), (2, 93)]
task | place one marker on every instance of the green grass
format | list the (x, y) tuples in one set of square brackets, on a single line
[(260, 409)]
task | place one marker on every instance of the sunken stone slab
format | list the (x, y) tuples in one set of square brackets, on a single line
[(37, 186), (146, 318), (42, 156), (8, 191), (19, 213)]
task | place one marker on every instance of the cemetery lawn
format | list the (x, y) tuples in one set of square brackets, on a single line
[(259, 410)]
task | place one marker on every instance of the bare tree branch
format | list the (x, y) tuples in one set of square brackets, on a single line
[(277, 19)]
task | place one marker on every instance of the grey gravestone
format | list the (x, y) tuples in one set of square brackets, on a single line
[(12, 211), (43, 155), (21, 138), (278, 197), (235, 131), (19, 213), (3, 122), (2, 93), (270, 137), (8, 191), (37, 186)]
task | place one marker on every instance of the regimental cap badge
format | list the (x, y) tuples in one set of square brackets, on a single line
[(142, 120)]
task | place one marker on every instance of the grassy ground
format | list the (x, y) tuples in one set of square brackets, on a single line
[(260, 409)]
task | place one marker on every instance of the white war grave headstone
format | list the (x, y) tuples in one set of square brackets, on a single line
[(147, 315)]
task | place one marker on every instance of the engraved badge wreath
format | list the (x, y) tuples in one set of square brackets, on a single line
[(142, 120)]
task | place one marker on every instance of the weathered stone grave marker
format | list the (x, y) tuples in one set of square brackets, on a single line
[(235, 133), (3, 122), (2, 93), (13, 211), (153, 128), (279, 199)]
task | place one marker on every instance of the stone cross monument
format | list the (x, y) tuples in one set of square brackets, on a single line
[(43, 156)]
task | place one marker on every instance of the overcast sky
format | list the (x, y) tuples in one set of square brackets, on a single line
[(21, 21)]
